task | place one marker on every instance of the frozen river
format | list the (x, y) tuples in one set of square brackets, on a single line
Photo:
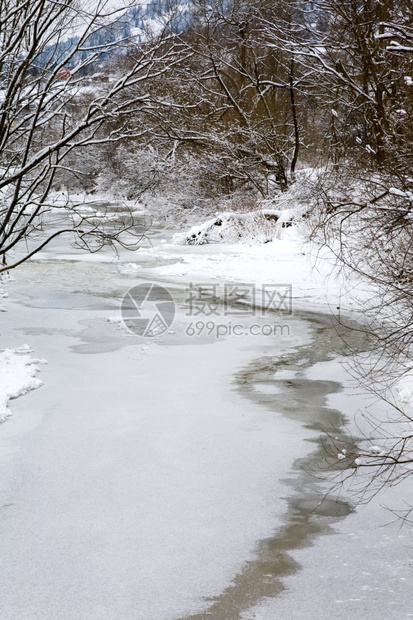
[(176, 477)]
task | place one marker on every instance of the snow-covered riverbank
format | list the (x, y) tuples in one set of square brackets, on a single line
[(316, 283), (18, 376)]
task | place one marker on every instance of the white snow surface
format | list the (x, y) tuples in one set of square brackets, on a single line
[(288, 259), (18, 372), (404, 388)]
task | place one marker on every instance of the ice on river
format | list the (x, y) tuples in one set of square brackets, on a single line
[(150, 479)]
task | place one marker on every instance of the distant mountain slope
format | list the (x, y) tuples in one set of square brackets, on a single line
[(124, 27)]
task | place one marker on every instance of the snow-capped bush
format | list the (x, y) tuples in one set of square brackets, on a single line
[(231, 227)]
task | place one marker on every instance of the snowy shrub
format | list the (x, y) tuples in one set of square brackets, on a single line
[(231, 227)]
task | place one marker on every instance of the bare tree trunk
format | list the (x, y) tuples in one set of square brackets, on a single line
[(295, 121)]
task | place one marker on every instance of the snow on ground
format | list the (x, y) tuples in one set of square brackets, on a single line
[(316, 283), (404, 388), (17, 376), (3, 295)]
